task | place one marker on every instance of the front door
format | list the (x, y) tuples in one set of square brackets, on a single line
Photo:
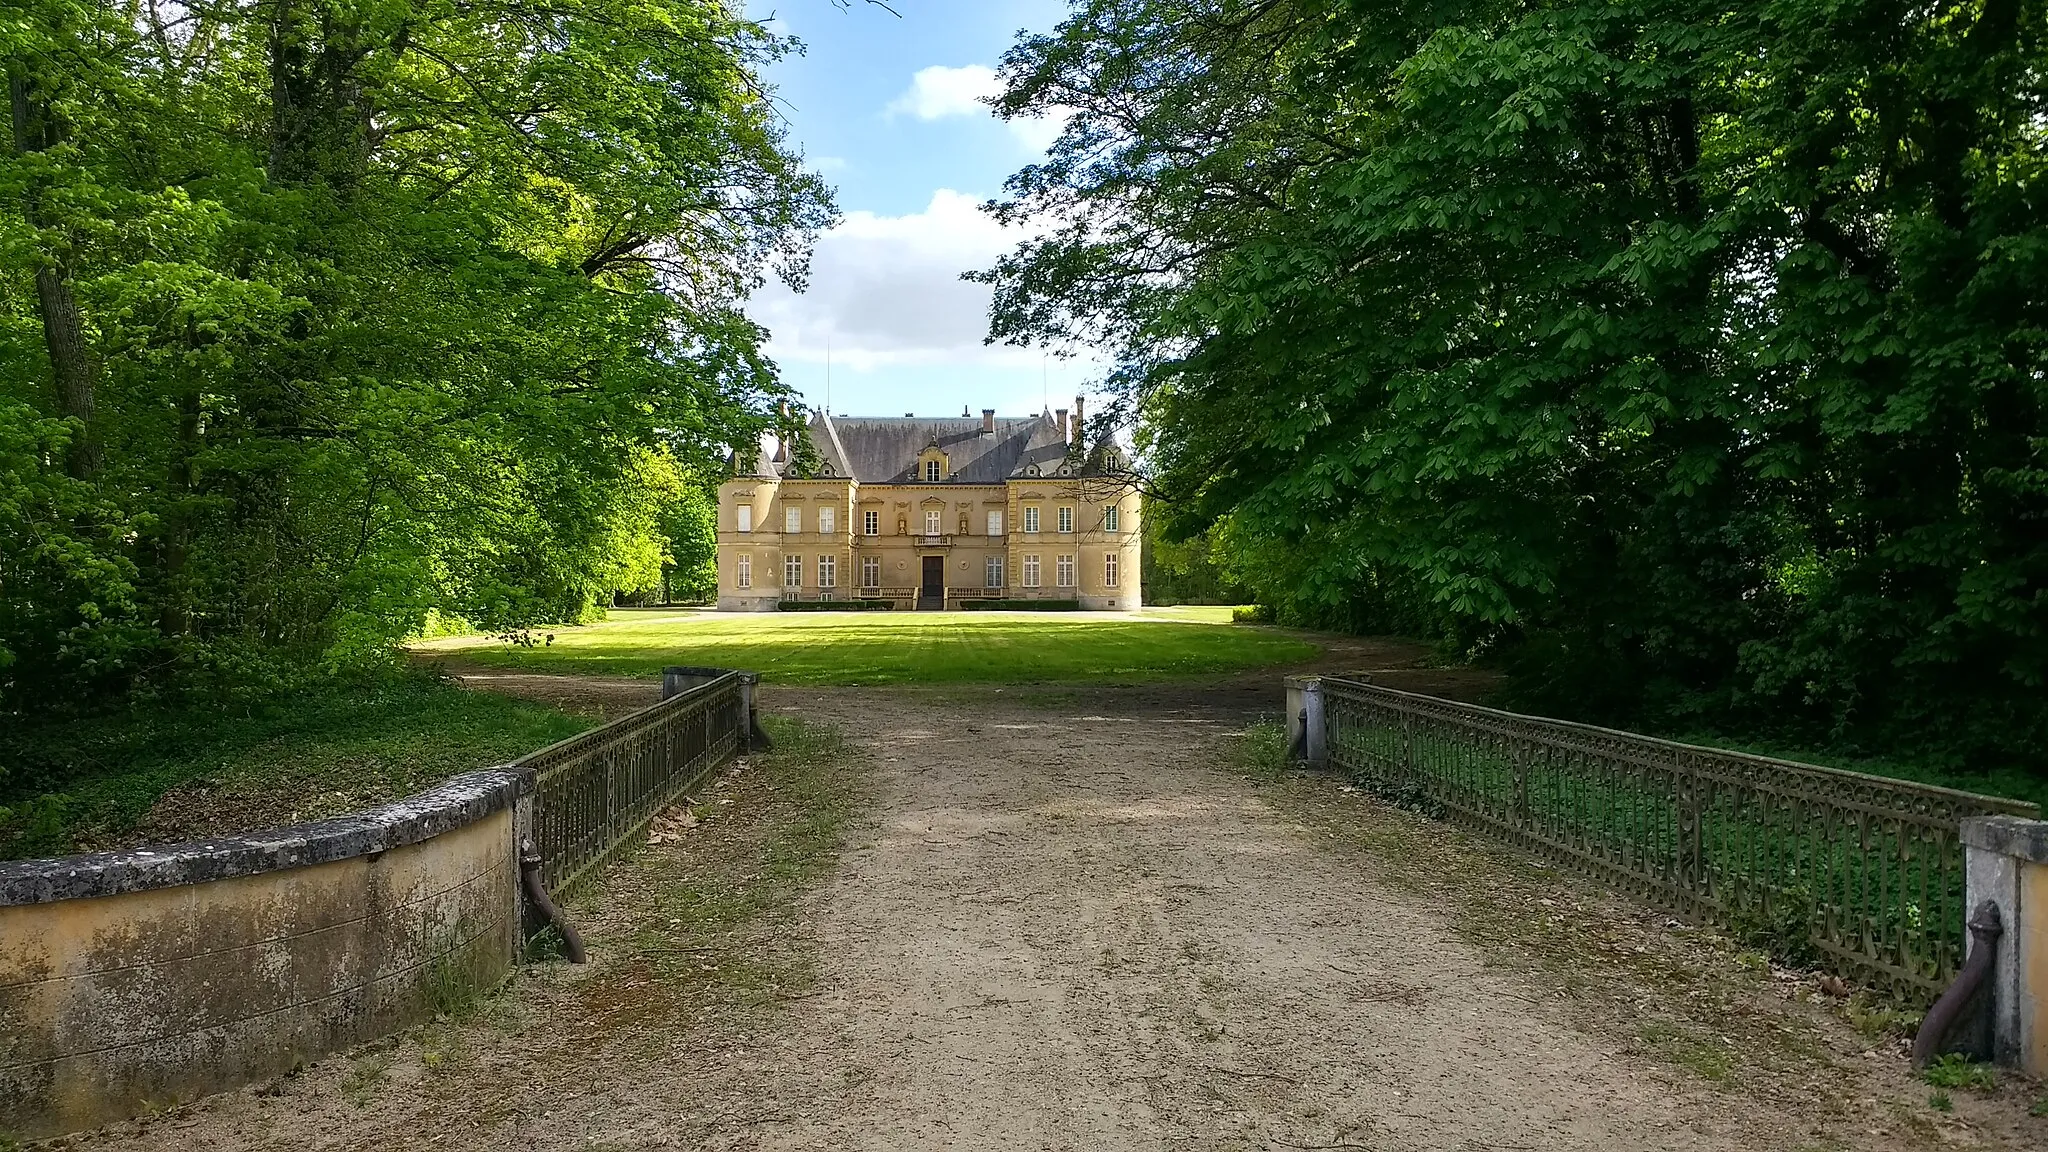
[(933, 592)]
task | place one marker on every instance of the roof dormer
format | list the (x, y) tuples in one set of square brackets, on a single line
[(932, 463)]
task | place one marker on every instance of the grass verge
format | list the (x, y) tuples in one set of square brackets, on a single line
[(896, 648), (156, 776), (714, 909)]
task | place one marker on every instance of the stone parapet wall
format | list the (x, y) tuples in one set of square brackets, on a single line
[(135, 980)]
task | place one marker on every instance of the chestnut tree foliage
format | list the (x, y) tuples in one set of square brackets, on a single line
[(1687, 354), (318, 315)]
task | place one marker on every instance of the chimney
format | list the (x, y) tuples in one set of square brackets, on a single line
[(963, 411), (1060, 418), (1079, 428), (988, 421)]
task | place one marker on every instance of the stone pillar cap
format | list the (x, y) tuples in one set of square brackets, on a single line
[(2008, 836)]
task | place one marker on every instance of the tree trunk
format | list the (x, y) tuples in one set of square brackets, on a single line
[(63, 325)]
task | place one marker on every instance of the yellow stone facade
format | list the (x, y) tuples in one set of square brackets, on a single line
[(997, 510)]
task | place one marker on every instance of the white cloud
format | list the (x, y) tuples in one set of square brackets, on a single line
[(938, 92), (1037, 132), (886, 290)]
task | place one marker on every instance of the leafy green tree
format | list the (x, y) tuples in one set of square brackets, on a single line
[(376, 310), (690, 524), (1687, 355), (1186, 571)]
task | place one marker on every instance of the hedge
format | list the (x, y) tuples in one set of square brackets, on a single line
[(836, 605), (1023, 605)]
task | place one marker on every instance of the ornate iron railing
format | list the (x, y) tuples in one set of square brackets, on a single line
[(596, 791), (1865, 871)]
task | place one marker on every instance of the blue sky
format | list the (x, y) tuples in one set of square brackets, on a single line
[(886, 108)]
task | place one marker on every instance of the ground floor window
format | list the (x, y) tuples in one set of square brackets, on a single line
[(871, 572), (1065, 570), (792, 571), (828, 571), (1109, 570), (743, 572), (992, 572), (1031, 570)]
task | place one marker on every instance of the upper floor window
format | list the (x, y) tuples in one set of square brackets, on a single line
[(746, 517), (995, 523), (931, 522), (1066, 519), (871, 522), (792, 519), (828, 521), (1031, 519), (931, 471), (1109, 518)]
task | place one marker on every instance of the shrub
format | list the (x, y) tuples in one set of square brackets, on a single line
[(1252, 614)]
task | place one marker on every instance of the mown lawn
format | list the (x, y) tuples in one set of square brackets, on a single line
[(161, 775), (898, 648)]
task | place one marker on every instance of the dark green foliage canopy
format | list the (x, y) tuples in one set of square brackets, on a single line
[(317, 316), (1693, 356)]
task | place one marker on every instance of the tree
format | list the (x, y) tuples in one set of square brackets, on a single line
[(1686, 354), (383, 310)]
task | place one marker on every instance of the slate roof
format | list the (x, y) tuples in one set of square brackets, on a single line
[(884, 449)]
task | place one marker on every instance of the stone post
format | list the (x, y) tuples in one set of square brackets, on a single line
[(1305, 722), (678, 679), (755, 738), (528, 918), (2007, 864)]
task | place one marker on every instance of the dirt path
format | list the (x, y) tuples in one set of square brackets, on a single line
[(1066, 934), (1059, 922)]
